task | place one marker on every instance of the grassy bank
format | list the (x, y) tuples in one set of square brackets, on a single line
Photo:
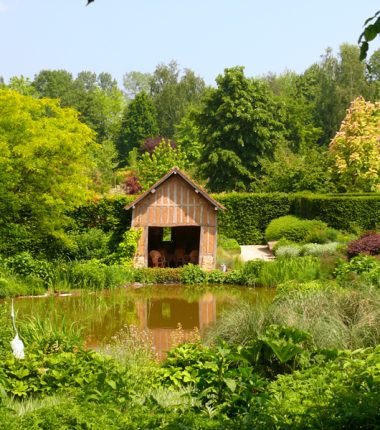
[(310, 361)]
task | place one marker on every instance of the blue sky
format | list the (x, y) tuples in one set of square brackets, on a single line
[(206, 36)]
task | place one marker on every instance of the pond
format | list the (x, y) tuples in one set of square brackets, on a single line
[(158, 310)]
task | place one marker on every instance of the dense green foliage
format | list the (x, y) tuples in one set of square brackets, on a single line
[(45, 168), (237, 125), (139, 122), (343, 212), (247, 215), (289, 171), (269, 133), (96, 97), (320, 333), (152, 167), (277, 377), (174, 92), (293, 228), (309, 359)]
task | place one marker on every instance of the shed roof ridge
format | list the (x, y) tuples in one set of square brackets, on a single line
[(183, 175)]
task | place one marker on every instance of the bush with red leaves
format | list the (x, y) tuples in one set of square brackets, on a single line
[(149, 145), (368, 244), (131, 185)]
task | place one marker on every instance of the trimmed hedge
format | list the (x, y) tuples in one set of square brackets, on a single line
[(344, 212), (248, 214), (107, 214)]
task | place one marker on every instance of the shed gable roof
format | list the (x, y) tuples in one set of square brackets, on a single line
[(176, 171)]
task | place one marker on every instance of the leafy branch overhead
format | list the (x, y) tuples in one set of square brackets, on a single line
[(371, 30)]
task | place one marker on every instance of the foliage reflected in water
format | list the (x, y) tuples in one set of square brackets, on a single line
[(159, 310)]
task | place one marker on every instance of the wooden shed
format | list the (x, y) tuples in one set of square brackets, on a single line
[(178, 221)]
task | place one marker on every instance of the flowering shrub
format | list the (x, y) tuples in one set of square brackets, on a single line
[(355, 148)]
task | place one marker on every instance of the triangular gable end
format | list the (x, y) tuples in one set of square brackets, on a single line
[(176, 171)]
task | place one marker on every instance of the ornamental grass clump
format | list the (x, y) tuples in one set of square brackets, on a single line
[(240, 324), (317, 249), (132, 346), (288, 251), (335, 317), (301, 269)]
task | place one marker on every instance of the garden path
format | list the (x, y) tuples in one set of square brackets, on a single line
[(255, 252)]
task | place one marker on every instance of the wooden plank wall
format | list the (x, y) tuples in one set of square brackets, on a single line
[(173, 204)]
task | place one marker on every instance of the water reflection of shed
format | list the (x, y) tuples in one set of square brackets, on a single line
[(179, 223), (162, 317)]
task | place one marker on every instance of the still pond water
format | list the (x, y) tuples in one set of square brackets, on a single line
[(158, 310)]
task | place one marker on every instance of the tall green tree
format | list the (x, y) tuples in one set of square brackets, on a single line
[(97, 98), (333, 83), (238, 124), (289, 172), (55, 84), (45, 169), (373, 71), (351, 76), (187, 136), (297, 108), (139, 123), (174, 92), (100, 102), (135, 82), (22, 85), (374, 66), (327, 108), (106, 159)]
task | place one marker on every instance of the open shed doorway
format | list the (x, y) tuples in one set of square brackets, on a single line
[(173, 246)]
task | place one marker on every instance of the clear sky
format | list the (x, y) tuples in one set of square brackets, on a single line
[(206, 36)]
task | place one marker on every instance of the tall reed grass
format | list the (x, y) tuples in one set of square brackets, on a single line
[(301, 269), (336, 318), (44, 335), (26, 406)]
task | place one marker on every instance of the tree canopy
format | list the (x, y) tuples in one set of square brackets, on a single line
[(231, 134), (237, 124), (96, 97), (45, 167), (356, 149), (139, 123), (152, 166)]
